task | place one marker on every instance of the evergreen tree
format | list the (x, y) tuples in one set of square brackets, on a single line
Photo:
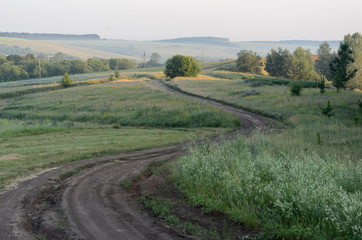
[(340, 66), (355, 41), (66, 81)]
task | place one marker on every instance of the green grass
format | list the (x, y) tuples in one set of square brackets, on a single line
[(340, 135), (51, 128), (290, 194), (122, 104), (302, 182), (48, 147)]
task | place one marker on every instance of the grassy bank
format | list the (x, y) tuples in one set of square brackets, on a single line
[(300, 183), (340, 134), (288, 194)]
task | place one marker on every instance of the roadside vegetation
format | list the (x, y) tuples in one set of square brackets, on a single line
[(302, 182)]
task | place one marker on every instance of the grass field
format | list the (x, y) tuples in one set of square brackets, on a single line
[(52, 48), (303, 182), (50, 128)]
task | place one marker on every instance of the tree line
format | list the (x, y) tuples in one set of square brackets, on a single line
[(341, 68), (50, 36), (17, 67)]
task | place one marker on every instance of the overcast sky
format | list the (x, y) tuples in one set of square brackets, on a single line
[(239, 20)]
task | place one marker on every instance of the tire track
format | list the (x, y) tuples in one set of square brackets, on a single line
[(91, 204)]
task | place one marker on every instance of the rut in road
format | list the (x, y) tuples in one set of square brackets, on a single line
[(91, 204)]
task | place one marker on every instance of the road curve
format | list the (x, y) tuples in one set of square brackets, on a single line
[(91, 204)]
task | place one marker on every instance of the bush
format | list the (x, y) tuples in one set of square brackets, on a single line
[(182, 66), (66, 81), (328, 110), (296, 89), (322, 85), (117, 74)]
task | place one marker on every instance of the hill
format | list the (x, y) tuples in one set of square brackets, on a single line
[(36, 46), (50, 36)]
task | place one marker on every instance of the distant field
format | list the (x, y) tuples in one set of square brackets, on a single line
[(167, 50), (52, 48)]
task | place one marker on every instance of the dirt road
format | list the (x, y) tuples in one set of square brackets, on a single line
[(87, 202)]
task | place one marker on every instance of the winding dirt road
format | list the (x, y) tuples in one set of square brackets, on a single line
[(91, 204)]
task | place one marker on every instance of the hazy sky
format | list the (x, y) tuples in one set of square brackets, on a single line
[(239, 20)]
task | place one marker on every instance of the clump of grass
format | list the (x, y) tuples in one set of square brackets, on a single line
[(290, 194)]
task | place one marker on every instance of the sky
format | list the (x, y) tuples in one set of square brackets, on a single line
[(238, 20)]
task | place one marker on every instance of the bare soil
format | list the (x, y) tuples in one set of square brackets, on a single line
[(85, 199)]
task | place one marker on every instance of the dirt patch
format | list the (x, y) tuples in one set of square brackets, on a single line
[(161, 198), (11, 157)]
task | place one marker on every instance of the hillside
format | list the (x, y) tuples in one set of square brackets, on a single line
[(210, 49), (52, 48), (50, 36)]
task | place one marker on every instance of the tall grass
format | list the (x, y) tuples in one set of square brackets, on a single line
[(289, 193), (341, 134)]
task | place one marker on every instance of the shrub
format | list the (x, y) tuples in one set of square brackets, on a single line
[(182, 66), (322, 85), (328, 110), (296, 89), (117, 75), (66, 81)]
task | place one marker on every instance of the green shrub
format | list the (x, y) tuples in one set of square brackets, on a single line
[(296, 89), (66, 81), (182, 66), (322, 85), (328, 110), (117, 75)]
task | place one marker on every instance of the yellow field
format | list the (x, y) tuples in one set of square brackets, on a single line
[(52, 48)]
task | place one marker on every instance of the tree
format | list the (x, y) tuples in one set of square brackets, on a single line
[(182, 66), (325, 57), (340, 66), (322, 84), (277, 62), (78, 66), (248, 61), (66, 81), (154, 60), (120, 64), (301, 66), (355, 41), (59, 56)]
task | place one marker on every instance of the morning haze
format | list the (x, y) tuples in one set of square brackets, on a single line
[(190, 119), (238, 20)]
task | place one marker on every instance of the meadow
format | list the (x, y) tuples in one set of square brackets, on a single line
[(301, 181), (50, 128)]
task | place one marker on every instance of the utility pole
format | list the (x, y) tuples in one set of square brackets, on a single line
[(143, 62), (39, 68), (202, 59)]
